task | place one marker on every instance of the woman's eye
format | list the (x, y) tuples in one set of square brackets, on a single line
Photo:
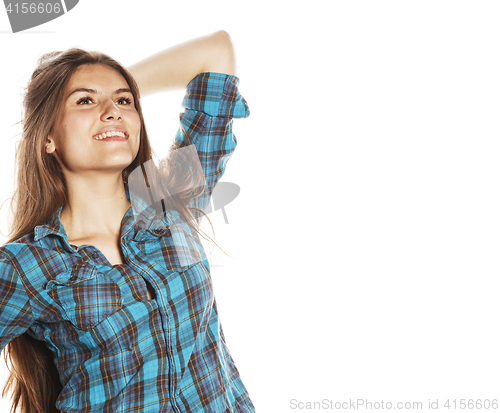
[(84, 101), (124, 101)]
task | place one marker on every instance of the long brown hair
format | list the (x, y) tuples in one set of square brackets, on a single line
[(41, 191)]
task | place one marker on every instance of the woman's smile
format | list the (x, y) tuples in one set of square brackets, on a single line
[(111, 135)]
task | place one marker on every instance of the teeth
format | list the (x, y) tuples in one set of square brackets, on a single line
[(105, 135)]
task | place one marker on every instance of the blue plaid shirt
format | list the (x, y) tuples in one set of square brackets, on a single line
[(115, 349)]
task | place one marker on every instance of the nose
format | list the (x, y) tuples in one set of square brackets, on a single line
[(110, 111)]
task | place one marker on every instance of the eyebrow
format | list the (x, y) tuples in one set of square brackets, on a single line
[(84, 89)]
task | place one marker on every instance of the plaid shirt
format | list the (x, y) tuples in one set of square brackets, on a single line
[(115, 349)]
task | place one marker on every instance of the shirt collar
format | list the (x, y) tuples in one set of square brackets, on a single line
[(52, 227)]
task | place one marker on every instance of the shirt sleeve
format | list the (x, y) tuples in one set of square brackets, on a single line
[(15, 309), (212, 100)]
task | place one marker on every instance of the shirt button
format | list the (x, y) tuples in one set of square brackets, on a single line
[(73, 278), (95, 255)]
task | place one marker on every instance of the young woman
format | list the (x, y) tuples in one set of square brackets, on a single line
[(106, 298)]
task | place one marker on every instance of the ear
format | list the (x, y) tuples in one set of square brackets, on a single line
[(49, 145)]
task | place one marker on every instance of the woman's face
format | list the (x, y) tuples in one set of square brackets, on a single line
[(98, 129)]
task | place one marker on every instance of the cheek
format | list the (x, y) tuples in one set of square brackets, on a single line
[(138, 128), (134, 121), (138, 140)]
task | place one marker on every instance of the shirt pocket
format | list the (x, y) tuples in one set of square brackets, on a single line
[(86, 295)]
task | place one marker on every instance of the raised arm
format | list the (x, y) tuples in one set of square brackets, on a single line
[(175, 67)]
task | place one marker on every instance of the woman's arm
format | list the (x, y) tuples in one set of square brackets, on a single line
[(175, 67)]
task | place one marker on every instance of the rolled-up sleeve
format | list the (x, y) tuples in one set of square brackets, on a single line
[(212, 101), (15, 310)]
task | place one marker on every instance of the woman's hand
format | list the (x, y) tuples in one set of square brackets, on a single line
[(175, 67)]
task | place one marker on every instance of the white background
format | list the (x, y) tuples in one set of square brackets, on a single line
[(365, 239)]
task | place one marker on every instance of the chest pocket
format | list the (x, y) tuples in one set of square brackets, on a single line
[(86, 295)]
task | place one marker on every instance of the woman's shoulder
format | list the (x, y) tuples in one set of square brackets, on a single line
[(17, 247), (12, 255), (28, 252)]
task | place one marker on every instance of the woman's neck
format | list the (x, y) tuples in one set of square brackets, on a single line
[(95, 207)]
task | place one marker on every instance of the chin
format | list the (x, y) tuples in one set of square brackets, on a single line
[(120, 161)]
